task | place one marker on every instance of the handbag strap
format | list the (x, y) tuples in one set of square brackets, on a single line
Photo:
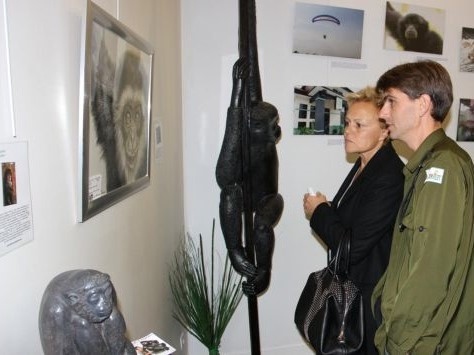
[(339, 265)]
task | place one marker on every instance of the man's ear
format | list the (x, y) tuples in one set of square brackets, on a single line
[(425, 105)]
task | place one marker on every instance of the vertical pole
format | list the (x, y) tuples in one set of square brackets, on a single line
[(248, 228), (248, 51)]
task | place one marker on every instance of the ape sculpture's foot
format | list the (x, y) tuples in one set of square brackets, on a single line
[(240, 263), (255, 286)]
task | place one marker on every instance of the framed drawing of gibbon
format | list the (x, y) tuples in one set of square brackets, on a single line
[(115, 117)]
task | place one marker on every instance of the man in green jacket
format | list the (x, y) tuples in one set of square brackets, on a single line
[(426, 297)]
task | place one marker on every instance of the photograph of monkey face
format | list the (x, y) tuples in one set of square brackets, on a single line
[(9, 183), (466, 56), (328, 30), (117, 109), (465, 131), (414, 28)]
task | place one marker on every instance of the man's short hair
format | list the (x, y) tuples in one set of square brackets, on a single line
[(418, 78)]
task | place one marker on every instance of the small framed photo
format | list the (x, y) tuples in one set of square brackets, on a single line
[(320, 110), (9, 183), (466, 57), (465, 131), (115, 117), (328, 30), (414, 28)]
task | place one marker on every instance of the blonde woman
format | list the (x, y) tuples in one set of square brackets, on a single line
[(366, 203)]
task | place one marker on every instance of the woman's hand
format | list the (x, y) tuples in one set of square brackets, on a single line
[(311, 202)]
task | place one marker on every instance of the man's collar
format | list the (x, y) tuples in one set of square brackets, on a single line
[(425, 147)]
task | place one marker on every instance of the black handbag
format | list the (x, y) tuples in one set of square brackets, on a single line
[(330, 311)]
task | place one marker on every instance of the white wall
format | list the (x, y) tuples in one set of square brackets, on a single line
[(132, 241), (209, 47)]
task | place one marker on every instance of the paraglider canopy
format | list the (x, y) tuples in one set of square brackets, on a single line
[(329, 18)]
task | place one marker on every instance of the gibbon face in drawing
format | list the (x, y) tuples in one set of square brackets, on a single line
[(130, 119), (119, 108), (130, 122)]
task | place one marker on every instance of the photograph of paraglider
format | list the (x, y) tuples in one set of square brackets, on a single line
[(328, 31), (320, 109)]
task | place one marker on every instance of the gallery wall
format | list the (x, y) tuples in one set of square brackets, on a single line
[(132, 241), (209, 48)]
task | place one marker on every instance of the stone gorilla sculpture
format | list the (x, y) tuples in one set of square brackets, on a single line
[(262, 171), (78, 315)]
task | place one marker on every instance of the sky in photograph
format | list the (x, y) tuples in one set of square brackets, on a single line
[(325, 37)]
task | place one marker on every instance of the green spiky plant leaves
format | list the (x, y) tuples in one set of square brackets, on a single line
[(201, 307)]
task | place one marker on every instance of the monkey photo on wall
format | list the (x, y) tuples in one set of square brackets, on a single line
[(414, 28), (115, 121), (129, 117), (119, 109), (9, 183)]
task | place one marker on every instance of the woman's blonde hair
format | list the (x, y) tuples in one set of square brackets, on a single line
[(370, 95), (367, 94)]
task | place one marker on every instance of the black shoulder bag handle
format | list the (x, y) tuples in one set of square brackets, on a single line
[(339, 264)]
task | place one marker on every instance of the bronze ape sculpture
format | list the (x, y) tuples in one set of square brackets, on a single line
[(248, 164), (78, 315)]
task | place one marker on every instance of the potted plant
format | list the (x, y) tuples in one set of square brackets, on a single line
[(202, 307)]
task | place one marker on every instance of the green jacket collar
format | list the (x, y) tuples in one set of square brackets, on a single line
[(427, 145)]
